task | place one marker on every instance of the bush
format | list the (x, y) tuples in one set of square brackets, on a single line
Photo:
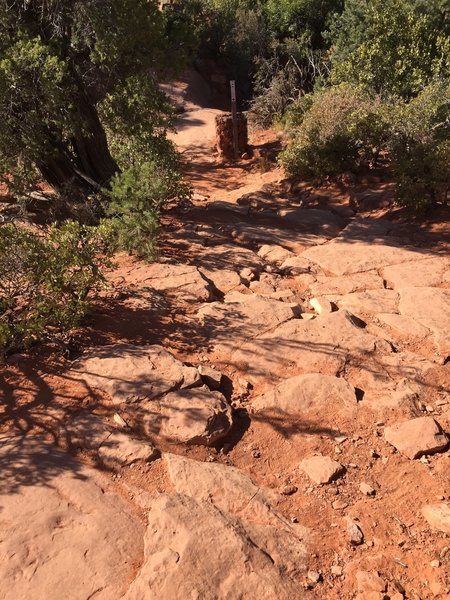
[(45, 281), (136, 197), (342, 129), (420, 147)]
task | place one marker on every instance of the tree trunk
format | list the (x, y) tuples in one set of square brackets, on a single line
[(85, 165)]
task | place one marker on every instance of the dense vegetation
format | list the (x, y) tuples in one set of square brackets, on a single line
[(351, 82)]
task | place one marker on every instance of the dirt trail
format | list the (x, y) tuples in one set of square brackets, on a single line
[(320, 469)]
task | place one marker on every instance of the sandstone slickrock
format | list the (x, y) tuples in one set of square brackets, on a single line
[(195, 416), (274, 254), (403, 326), (370, 302), (194, 550), (431, 308), (417, 437), (342, 257), (295, 265), (312, 393), (320, 345), (321, 469), (128, 372), (357, 282), (430, 273), (51, 504), (438, 516), (234, 493), (184, 281), (224, 280), (244, 317)]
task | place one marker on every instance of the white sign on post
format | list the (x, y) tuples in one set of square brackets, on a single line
[(234, 114)]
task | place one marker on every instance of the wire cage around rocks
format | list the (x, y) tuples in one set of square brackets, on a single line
[(225, 137)]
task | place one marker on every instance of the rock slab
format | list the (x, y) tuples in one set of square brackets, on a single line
[(417, 437)]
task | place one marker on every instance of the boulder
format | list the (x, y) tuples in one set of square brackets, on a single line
[(275, 254), (196, 416), (312, 393), (417, 437), (64, 533), (130, 373), (321, 469)]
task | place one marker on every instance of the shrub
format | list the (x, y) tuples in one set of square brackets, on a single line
[(342, 129), (136, 197), (420, 147), (45, 281)]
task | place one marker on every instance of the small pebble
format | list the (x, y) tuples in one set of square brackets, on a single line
[(339, 504), (314, 576), (336, 570), (294, 520), (256, 454), (288, 490), (435, 564), (366, 489)]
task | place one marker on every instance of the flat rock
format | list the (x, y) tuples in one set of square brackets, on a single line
[(318, 345), (223, 280), (321, 469), (120, 450), (226, 487), (417, 437), (403, 326), (370, 302), (231, 257), (274, 254), (295, 265), (338, 286), (235, 494), (321, 218), (129, 373), (369, 581), (430, 307), (87, 430), (312, 393), (364, 227), (432, 272), (184, 281), (438, 516), (340, 257), (194, 550), (195, 416), (50, 503), (242, 317)]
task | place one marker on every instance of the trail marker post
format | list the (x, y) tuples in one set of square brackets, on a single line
[(234, 115)]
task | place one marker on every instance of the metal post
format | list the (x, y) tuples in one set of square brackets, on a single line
[(235, 123)]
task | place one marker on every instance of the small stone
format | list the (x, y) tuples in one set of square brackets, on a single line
[(211, 377), (119, 420), (294, 520), (429, 408), (314, 576), (417, 437), (321, 469), (396, 596), (337, 450), (308, 316), (339, 505), (247, 275), (424, 460), (321, 305), (367, 581), (366, 489), (288, 490), (374, 454), (435, 564), (340, 439), (355, 535), (256, 454), (336, 570)]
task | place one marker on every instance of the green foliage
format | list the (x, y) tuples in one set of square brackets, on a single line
[(391, 46), (45, 281), (135, 199), (420, 147), (342, 129)]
